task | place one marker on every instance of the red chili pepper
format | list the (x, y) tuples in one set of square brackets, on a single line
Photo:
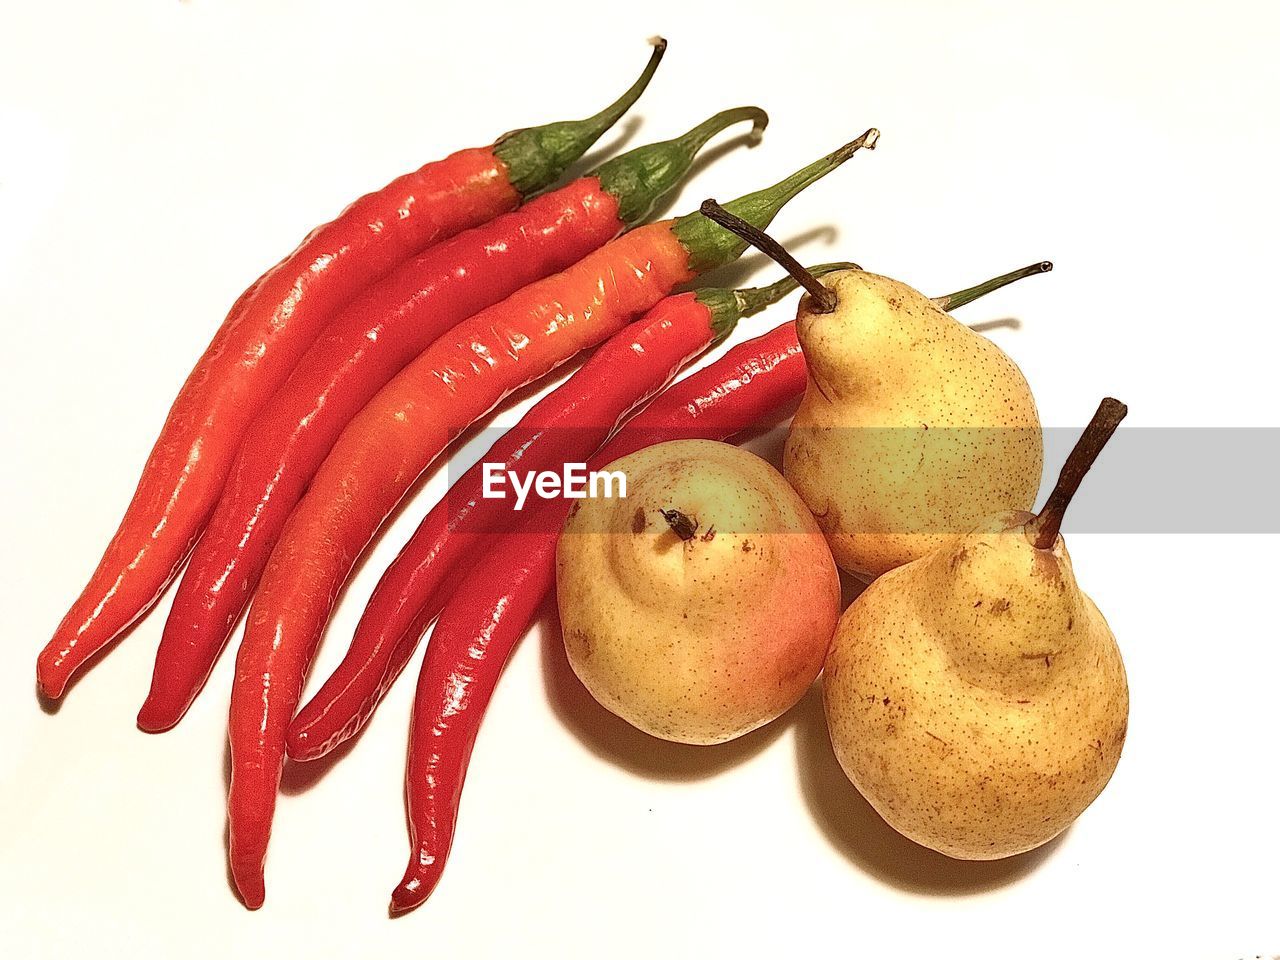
[(261, 340), (368, 343), (490, 610), (396, 437), (565, 426)]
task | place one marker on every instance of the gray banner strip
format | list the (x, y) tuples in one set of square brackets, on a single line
[(1147, 480), (1174, 480)]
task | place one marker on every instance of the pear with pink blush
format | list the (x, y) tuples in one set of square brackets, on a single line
[(699, 607)]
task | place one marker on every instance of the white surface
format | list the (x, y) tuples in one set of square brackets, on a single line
[(157, 156)]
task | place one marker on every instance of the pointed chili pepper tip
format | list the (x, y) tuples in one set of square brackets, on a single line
[(298, 745), (153, 718), (412, 891), (251, 885), (951, 301), (48, 688)]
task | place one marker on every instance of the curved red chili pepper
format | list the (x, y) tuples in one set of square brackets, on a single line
[(392, 441), (368, 343), (565, 426), (491, 609), (261, 340)]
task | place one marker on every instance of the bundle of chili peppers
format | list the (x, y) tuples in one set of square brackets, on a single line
[(346, 370)]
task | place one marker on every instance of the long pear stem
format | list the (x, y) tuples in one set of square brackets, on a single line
[(1043, 530), (969, 294), (755, 299), (824, 298)]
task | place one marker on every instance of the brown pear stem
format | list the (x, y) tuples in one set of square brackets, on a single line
[(969, 294), (1043, 530), (681, 524), (824, 299)]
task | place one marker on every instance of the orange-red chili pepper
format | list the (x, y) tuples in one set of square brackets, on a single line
[(489, 611), (565, 426), (356, 354), (261, 340), (396, 437)]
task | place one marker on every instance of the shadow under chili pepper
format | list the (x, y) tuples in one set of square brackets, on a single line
[(623, 134), (854, 828), (612, 738), (299, 777), (705, 159), (767, 438)]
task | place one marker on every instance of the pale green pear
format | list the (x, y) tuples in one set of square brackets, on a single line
[(913, 427)]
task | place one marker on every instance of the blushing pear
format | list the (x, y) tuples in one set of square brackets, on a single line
[(699, 607)]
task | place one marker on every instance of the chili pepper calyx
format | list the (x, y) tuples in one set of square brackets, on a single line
[(640, 178), (710, 245), (727, 306), (958, 299), (535, 157)]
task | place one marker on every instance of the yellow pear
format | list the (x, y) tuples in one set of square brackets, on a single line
[(700, 606), (976, 696), (913, 427)]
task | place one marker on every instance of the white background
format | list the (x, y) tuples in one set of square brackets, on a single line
[(156, 157)]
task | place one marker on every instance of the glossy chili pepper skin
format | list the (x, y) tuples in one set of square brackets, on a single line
[(389, 444), (492, 606), (579, 415), (384, 449), (491, 609), (565, 426), (489, 612), (357, 354), (252, 353), (261, 340)]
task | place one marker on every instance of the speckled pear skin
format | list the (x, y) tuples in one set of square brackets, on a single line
[(704, 640), (976, 697), (888, 357)]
